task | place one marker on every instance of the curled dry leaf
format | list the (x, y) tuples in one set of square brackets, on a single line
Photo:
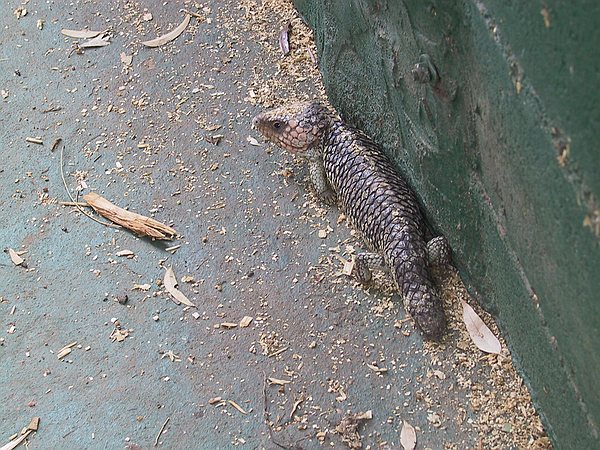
[(99, 41), (481, 335), (81, 34), (408, 436), (170, 284), (284, 39), (171, 35)]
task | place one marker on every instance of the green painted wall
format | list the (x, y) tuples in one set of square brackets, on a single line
[(502, 150)]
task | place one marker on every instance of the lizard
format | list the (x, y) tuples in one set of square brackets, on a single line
[(347, 167)]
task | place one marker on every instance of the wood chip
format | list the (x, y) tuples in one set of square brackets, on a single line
[(35, 140), (132, 221), (480, 334), (127, 253), (236, 406), (170, 284), (408, 436), (278, 381), (15, 258), (81, 34), (126, 59), (168, 37), (214, 400), (66, 350), (245, 322), (374, 368), (34, 424), (142, 287), (253, 141), (229, 325)]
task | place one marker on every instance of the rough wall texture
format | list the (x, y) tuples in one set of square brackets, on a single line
[(496, 131)]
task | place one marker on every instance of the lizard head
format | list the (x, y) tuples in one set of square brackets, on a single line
[(295, 127)]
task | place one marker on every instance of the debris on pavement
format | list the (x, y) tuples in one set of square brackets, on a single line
[(135, 222), (408, 436), (15, 257), (171, 285), (171, 35), (15, 440), (481, 335), (348, 428), (81, 34)]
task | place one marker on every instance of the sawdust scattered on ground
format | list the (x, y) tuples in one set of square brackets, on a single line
[(499, 408)]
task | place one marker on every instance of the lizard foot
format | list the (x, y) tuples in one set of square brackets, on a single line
[(438, 252), (364, 263)]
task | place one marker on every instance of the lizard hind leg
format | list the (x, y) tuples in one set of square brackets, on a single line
[(438, 252), (364, 264)]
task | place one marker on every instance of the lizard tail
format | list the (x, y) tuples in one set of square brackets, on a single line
[(421, 300)]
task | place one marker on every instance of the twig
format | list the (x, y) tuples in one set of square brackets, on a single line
[(16, 442), (281, 350), (62, 175), (193, 14), (266, 415), (161, 430), (82, 204)]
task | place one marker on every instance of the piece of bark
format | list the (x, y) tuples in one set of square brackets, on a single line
[(132, 221)]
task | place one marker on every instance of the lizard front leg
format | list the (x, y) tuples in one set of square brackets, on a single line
[(319, 181)]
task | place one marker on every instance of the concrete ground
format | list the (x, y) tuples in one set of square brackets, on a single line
[(169, 136)]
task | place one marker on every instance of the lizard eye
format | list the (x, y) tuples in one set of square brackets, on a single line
[(277, 125)]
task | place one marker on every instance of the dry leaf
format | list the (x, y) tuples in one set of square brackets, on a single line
[(15, 258), (171, 35), (81, 34), (284, 39), (170, 284), (132, 221), (99, 41), (481, 335), (408, 436)]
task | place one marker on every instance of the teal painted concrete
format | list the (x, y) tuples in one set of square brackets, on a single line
[(500, 146)]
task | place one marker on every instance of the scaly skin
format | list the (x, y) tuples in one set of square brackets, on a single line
[(346, 165)]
